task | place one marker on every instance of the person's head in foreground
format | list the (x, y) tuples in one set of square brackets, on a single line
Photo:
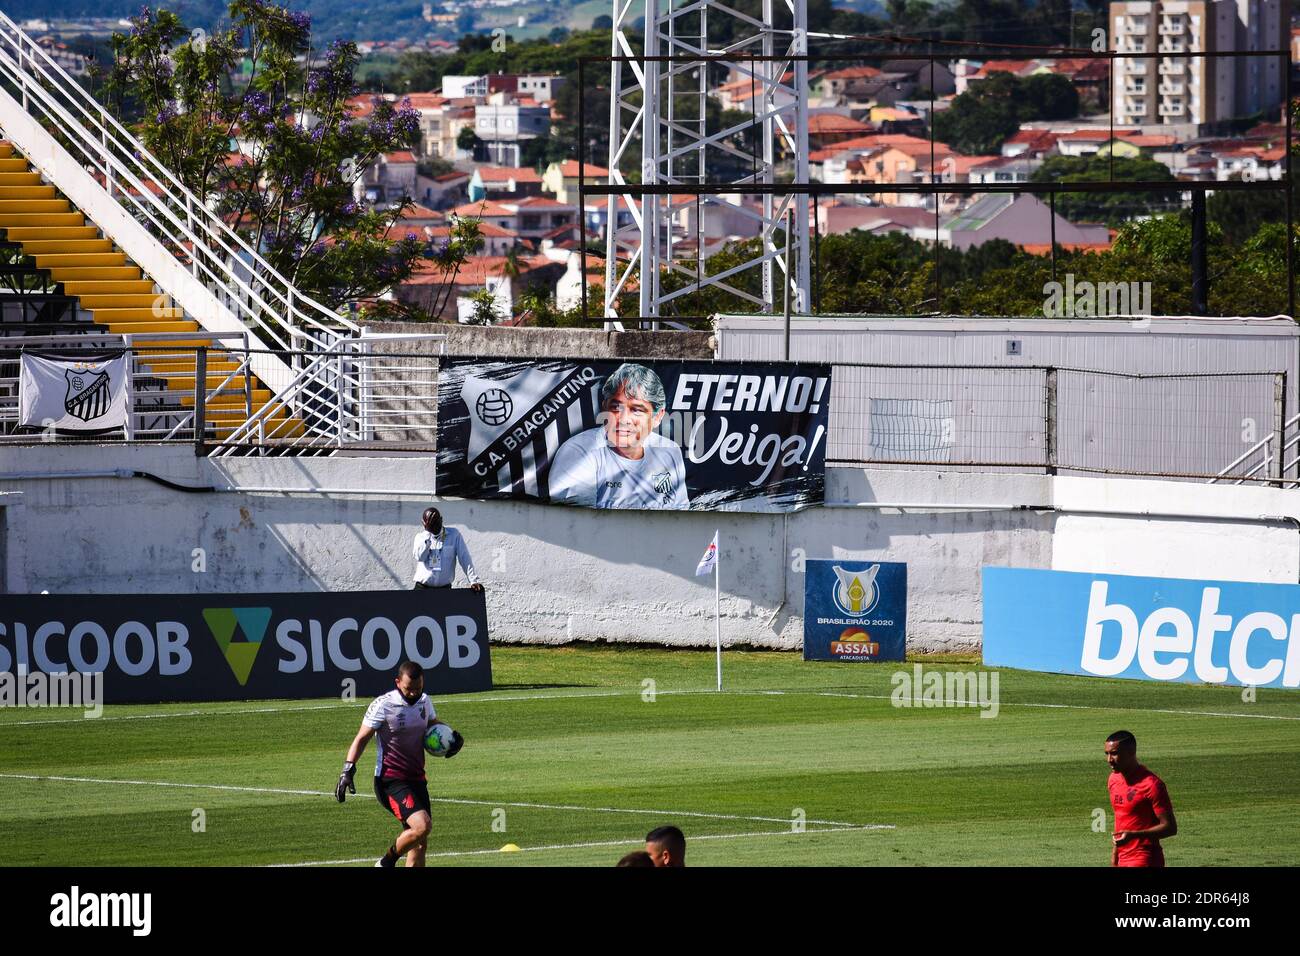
[(1121, 752), (666, 846), (432, 521), (632, 402), (637, 858)]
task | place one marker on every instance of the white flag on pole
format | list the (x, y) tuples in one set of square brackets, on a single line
[(710, 557)]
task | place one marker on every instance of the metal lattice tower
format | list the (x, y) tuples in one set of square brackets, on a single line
[(660, 108)]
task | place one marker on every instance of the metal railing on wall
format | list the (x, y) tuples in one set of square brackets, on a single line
[(381, 394), (206, 394), (1054, 419)]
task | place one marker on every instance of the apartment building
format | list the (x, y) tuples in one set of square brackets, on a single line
[(1172, 88)]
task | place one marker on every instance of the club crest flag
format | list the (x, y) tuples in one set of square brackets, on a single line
[(710, 557), (72, 394)]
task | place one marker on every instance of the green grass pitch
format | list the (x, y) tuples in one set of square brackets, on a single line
[(567, 742)]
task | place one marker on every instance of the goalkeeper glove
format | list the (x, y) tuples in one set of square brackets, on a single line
[(345, 784), (457, 741)]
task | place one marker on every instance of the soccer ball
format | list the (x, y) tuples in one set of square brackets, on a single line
[(438, 740), (494, 407)]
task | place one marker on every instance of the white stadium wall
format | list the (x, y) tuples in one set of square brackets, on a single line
[(559, 574)]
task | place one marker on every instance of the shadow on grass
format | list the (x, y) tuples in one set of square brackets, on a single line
[(536, 686)]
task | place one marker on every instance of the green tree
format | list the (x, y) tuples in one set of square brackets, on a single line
[(1112, 208), (1241, 213), (289, 189), (467, 139), (991, 110), (485, 308)]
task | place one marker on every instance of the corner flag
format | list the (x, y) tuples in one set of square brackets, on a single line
[(710, 557), (710, 563)]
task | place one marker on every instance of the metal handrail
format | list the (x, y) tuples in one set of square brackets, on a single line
[(1261, 445), (218, 233), (307, 373), (151, 209)]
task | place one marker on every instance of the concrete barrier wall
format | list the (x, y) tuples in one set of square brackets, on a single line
[(502, 341), (558, 574)]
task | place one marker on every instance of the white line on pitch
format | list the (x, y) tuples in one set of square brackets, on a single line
[(1136, 710), (164, 783), (456, 700), (600, 843), (663, 813), (338, 706), (457, 800)]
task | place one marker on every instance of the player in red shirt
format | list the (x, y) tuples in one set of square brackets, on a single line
[(1143, 813)]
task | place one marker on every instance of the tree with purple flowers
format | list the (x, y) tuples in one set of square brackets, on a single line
[(269, 132)]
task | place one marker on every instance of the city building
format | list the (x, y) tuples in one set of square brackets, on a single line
[(1173, 88), (503, 128)]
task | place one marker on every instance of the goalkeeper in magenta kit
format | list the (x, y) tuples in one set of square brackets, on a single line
[(400, 720)]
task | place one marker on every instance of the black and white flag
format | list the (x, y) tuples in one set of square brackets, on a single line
[(72, 394)]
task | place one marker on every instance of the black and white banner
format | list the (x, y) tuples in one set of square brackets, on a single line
[(662, 435), (72, 394)]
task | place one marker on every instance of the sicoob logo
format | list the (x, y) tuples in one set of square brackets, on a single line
[(238, 632)]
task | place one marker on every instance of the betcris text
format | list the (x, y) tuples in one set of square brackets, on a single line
[(165, 647), (1171, 644)]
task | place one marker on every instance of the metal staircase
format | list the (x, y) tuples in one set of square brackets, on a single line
[(114, 229)]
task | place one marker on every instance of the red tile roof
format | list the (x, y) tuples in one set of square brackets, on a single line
[(421, 212), (822, 123), (852, 73), (1004, 66), (538, 202), (1031, 137), (426, 101), (488, 230), (475, 271), (476, 210), (501, 174), (1043, 248), (864, 144)]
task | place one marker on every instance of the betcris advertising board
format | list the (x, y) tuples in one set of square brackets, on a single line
[(207, 647), (854, 610), (1159, 629)]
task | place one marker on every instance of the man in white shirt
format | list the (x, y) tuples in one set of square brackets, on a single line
[(437, 550), (623, 462)]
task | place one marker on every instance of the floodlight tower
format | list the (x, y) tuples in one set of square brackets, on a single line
[(659, 108)]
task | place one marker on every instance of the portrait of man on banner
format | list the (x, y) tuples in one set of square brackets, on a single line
[(624, 462)]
